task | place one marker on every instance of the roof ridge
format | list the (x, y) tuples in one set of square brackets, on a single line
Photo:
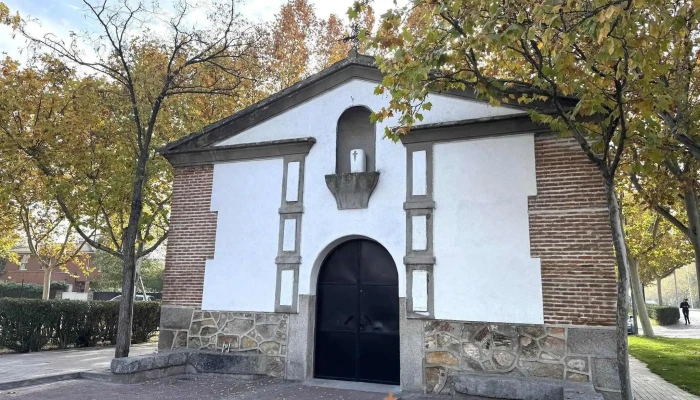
[(353, 58)]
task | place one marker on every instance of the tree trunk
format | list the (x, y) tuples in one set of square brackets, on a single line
[(690, 290), (691, 208), (126, 307), (635, 324), (639, 299), (623, 285), (697, 270), (47, 283), (658, 291), (675, 283)]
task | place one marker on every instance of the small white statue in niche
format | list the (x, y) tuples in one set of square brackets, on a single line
[(358, 161)]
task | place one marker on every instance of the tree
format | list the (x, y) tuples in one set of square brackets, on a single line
[(143, 73), (676, 28), (670, 187), (8, 232), (50, 238), (7, 18), (293, 36), (300, 43), (331, 47), (52, 244), (656, 249), (111, 273), (35, 100), (667, 156), (580, 66)]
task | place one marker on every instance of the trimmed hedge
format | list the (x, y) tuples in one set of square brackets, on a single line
[(30, 324), (29, 290), (664, 315)]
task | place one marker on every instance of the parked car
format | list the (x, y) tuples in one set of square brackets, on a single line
[(630, 325), (139, 297)]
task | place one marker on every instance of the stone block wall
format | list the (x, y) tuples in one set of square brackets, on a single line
[(191, 238), (577, 354), (263, 334), (570, 234)]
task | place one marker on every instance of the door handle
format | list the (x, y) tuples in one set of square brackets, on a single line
[(349, 319), (370, 321)]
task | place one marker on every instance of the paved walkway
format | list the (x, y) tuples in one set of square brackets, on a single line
[(187, 387), (649, 386), (680, 330), (17, 367), (13, 367)]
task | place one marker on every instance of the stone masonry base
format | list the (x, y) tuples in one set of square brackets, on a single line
[(449, 349), (262, 334), (578, 354)]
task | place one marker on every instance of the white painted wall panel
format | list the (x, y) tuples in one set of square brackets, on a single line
[(319, 116), (420, 173), (286, 287), (419, 291), (242, 276), (384, 220), (482, 245), (419, 228), (288, 240), (292, 190)]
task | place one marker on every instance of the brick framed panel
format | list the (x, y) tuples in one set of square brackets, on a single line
[(192, 236), (570, 233)]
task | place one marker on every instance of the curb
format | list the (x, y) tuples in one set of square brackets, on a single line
[(104, 376), (40, 381)]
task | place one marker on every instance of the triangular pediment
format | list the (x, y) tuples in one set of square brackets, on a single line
[(355, 67)]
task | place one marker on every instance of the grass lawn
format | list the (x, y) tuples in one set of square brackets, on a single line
[(675, 360)]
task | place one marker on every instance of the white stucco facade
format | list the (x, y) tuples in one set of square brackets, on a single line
[(246, 196), (309, 266), (482, 239), (481, 224), (318, 117)]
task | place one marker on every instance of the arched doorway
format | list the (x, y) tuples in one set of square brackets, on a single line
[(357, 315)]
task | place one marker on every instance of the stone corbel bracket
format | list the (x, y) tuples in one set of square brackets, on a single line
[(353, 190)]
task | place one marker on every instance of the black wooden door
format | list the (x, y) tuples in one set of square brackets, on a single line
[(357, 318)]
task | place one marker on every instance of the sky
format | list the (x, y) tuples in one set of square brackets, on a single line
[(60, 17)]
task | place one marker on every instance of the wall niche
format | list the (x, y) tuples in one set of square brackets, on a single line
[(355, 160)]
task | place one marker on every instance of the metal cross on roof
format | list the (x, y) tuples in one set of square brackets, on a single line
[(355, 36)]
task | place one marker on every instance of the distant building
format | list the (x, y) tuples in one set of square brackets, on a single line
[(29, 270)]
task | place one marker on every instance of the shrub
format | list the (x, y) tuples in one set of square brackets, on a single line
[(103, 321), (30, 324), (29, 290), (664, 315), (69, 319), (25, 324), (146, 316)]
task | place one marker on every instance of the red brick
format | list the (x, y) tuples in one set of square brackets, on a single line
[(570, 233), (192, 236)]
